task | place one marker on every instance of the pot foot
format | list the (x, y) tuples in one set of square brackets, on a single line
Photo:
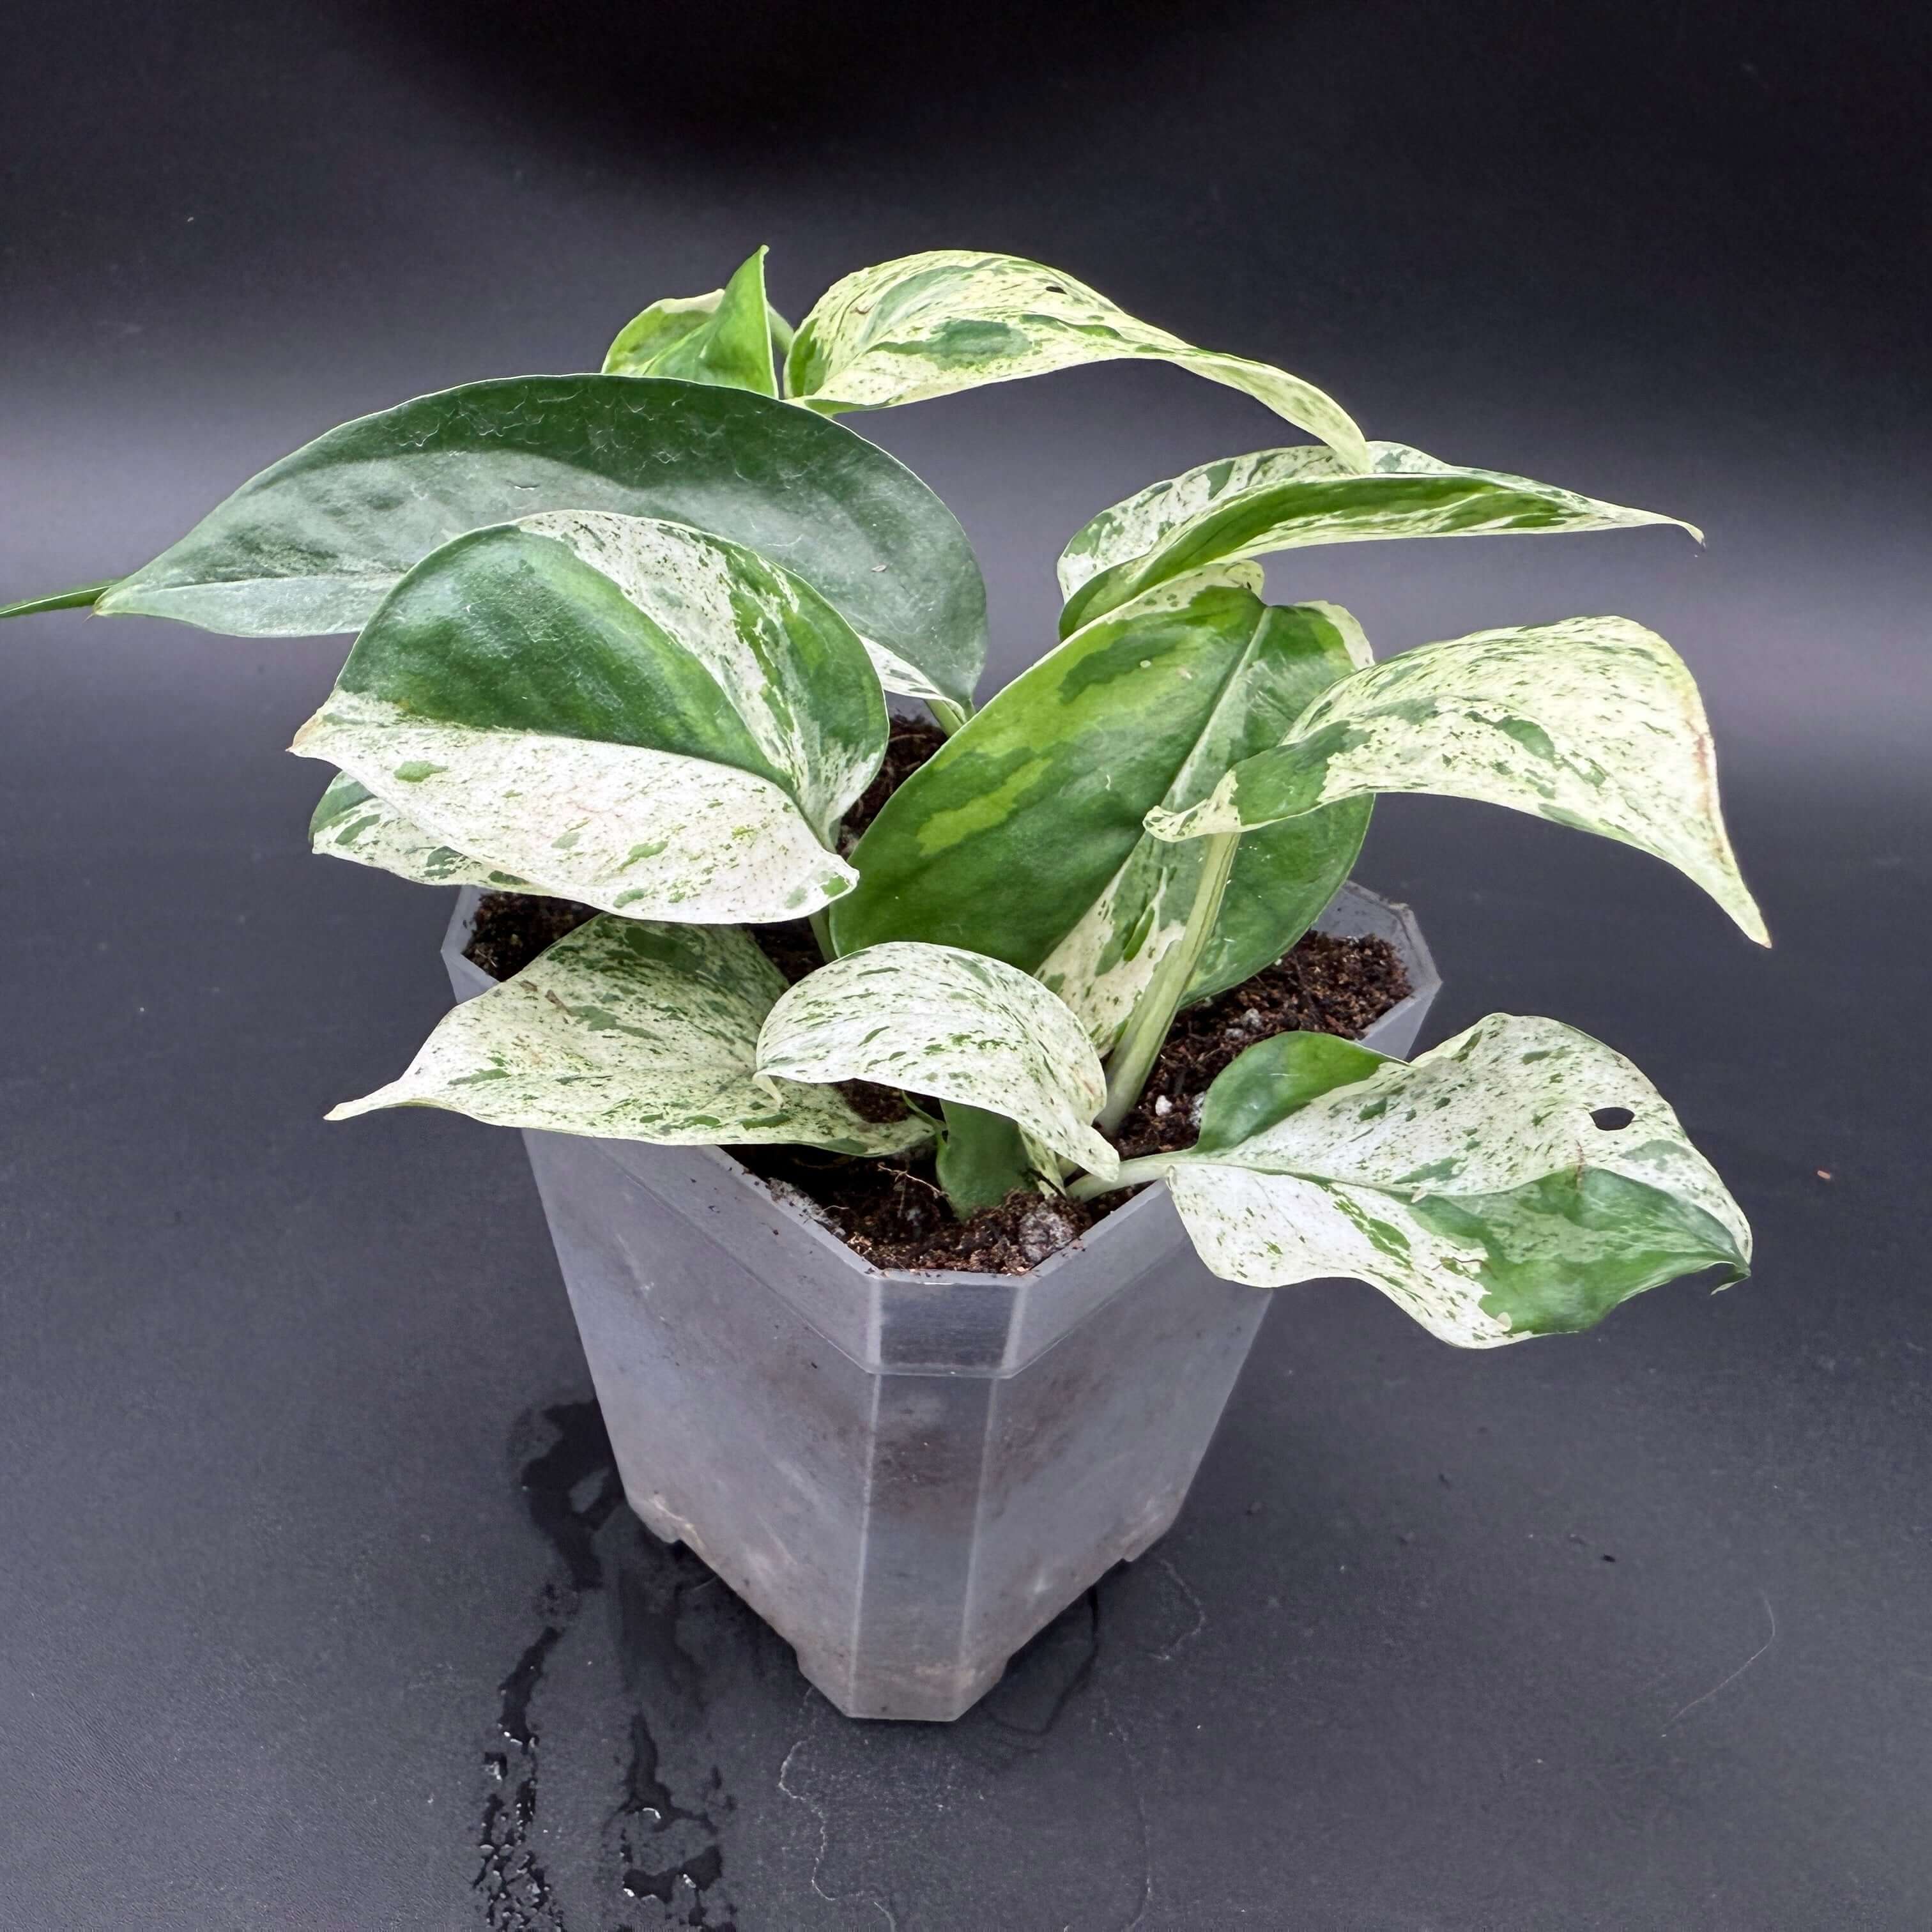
[(932, 1696)]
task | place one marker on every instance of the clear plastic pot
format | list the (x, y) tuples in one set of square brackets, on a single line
[(906, 1474)]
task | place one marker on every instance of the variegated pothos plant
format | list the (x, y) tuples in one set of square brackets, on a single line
[(627, 638)]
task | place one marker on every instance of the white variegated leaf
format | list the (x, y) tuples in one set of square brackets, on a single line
[(902, 678), (953, 1024), (630, 711), (649, 834), (350, 822), (952, 318), (1278, 499), (1594, 723), (629, 1030), (1520, 1179), (741, 618)]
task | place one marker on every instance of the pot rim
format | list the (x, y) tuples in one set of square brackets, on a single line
[(1355, 908)]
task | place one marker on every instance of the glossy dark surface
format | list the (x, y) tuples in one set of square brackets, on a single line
[(312, 1579)]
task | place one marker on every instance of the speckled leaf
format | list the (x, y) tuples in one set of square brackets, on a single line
[(314, 543), (727, 337), (350, 822), (647, 718), (928, 325), (1022, 837), (1472, 1186), (1284, 499), (952, 1024), (630, 1030), (1595, 722)]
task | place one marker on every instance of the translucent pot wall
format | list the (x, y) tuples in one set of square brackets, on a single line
[(906, 1474)]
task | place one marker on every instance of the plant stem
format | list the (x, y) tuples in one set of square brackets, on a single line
[(63, 600), (1153, 1011), (821, 930), (1132, 1173), (947, 716)]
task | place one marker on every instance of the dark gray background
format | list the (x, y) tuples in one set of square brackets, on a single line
[(295, 1458)]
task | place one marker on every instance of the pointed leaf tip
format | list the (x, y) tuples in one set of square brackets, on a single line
[(952, 318), (1593, 723)]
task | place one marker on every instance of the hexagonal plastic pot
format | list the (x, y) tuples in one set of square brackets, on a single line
[(906, 1474)]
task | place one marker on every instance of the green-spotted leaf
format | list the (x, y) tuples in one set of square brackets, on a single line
[(952, 1025), (643, 717), (314, 543), (1279, 499), (953, 319), (1023, 837), (1486, 1188), (728, 336), (1595, 722), (351, 822), (631, 1031)]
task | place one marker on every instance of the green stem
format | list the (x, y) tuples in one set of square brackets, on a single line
[(1132, 1173), (821, 930), (1153, 1011), (61, 600), (947, 716)]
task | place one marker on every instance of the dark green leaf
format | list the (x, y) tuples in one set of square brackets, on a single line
[(315, 542)]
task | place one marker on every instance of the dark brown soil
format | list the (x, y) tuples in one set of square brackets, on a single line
[(512, 929), (912, 742), (892, 1211)]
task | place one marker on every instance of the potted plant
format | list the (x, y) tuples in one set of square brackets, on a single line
[(624, 645)]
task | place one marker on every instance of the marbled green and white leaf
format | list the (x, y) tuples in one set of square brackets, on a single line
[(1023, 837), (952, 1025), (1594, 723), (350, 822), (315, 542), (953, 319), (728, 336), (1472, 1186), (629, 829), (640, 715), (1276, 500), (631, 1031), (786, 663), (1280, 885)]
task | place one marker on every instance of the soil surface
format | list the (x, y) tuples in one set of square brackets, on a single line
[(892, 1211)]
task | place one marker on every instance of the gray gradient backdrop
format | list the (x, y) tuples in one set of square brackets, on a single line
[(1630, 1631)]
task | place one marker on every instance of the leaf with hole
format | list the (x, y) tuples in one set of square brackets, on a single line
[(651, 720), (1595, 722), (631, 1031), (953, 319), (1472, 1186), (1277, 499)]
